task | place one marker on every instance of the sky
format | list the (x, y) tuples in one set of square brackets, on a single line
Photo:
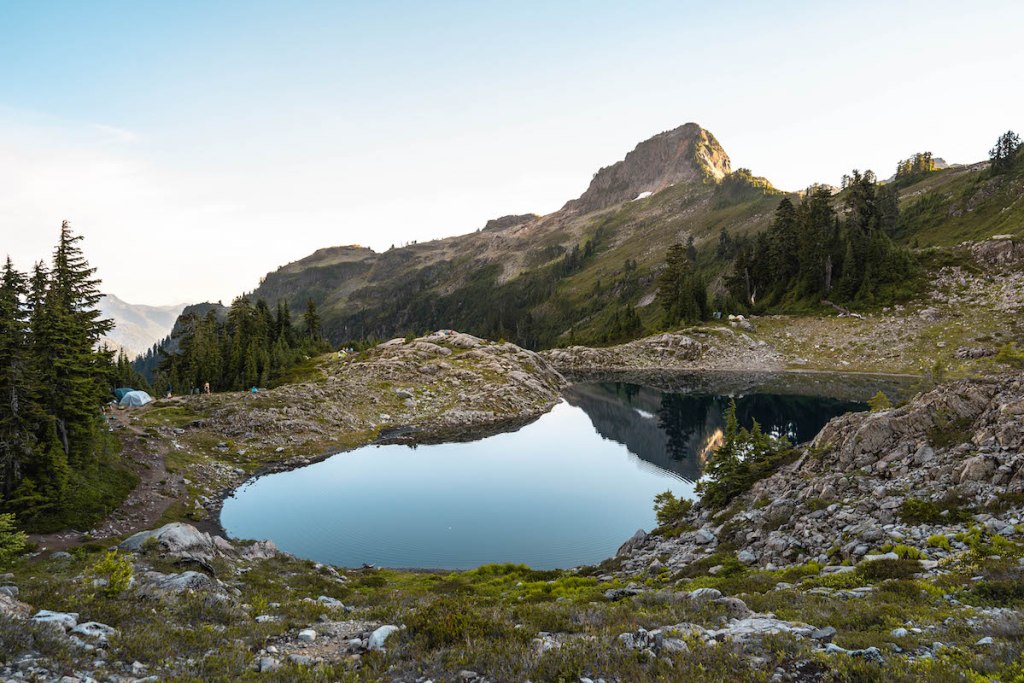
[(199, 145)]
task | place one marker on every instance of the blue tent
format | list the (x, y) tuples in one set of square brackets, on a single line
[(121, 391), (135, 399)]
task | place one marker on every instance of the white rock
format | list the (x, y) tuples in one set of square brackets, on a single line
[(66, 620), (307, 635)]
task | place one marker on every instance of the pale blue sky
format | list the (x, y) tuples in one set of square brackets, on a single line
[(198, 145)]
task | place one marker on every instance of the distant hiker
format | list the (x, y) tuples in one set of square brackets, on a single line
[(169, 391), (253, 392), (206, 388)]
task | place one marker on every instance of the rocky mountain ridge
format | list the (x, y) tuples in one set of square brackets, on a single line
[(684, 155)]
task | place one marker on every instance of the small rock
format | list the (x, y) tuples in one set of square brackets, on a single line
[(824, 634), (705, 594), (264, 664), (94, 630), (307, 635)]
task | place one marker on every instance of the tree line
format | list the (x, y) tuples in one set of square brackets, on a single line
[(250, 346), (58, 463)]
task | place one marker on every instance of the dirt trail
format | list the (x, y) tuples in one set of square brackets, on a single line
[(156, 491)]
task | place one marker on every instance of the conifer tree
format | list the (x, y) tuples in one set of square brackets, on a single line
[(1005, 151), (17, 422), (312, 319), (68, 337)]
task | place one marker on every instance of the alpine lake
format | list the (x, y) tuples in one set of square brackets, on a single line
[(565, 490)]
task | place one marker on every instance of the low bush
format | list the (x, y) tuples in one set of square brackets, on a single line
[(882, 570), (670, 510), (448, 622), (917, 511), (112, 574)]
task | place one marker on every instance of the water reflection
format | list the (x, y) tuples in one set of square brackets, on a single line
[(561, 491), (677, 431)]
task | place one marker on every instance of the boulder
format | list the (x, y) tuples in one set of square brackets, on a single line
[(12, 608), (177, 539), (158, 585), (978, 468), (185, 541), (635, 541), (702, 595), (65, 620), (95, 631)]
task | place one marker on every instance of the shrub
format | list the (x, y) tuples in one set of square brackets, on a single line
[(882, 570), (906, 552), (448, 622), (112, 573), (917, 511), (948, 432), (939, 541), (1000, 592), (879, 402), (12, 541), (669, 509), (1011, 355)]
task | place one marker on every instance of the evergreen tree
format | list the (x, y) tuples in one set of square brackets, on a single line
[(17, 423), (68, 337), (312, 319), (1003, 154), (54, 466), (809, 254)]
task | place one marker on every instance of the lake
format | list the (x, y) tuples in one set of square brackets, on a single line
[(565, 490)]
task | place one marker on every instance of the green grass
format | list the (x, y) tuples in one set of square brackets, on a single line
[(486, 619), (950, 206)]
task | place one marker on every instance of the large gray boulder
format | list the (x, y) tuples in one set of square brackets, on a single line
[(184, 540), (176, 538), (65, 620), (158, 585)]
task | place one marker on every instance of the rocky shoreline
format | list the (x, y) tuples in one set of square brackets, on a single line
[(948, 461)]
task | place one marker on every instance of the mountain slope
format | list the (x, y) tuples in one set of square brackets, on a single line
[(137, 327), (530, 278), (566, 277)]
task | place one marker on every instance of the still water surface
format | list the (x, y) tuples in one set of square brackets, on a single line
[(563, 491)]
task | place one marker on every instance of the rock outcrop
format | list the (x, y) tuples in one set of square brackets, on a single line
[(704, 348), (437, 383), (184, 541), (999, 250)]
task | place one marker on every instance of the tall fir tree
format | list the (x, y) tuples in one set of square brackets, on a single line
[(70, 328)]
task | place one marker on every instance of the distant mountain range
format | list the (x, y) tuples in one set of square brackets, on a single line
[(137, 327), (544, 280)]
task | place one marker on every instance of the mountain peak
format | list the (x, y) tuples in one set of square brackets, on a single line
[(686, 154)]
